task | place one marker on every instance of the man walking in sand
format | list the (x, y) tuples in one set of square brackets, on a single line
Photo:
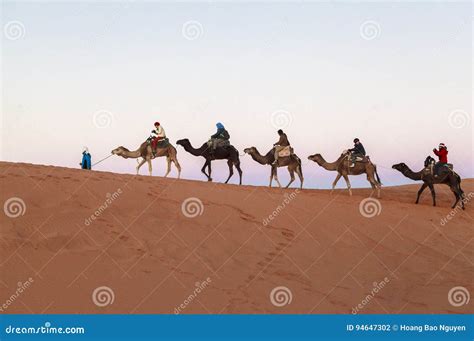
[(86, 162)]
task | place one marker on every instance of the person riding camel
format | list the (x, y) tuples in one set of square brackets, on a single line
[(220, 138), (442, 154), (357, 151), (281, 144), (158, 134)]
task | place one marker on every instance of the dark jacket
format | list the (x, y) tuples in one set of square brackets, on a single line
[(221, 134), (358, 149), (283, 141)]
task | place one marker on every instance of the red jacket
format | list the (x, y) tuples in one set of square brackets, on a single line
[(442, 154)]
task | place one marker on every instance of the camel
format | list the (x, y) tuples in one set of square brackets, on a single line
[(341, 165), (450, 178), (293, 163), (145, 152), (228, 153)]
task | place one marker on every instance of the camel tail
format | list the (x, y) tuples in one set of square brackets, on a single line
[(377, 175)]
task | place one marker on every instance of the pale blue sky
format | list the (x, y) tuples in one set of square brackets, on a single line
[(131, 59)]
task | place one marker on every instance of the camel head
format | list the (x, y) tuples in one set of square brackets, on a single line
[(401, 167), (250, 150), (120, 151), (183, 142), (316, 158)]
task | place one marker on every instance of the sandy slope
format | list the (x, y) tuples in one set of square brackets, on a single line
[(151, 256)]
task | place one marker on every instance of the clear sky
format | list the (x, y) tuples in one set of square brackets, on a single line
[(396, 75)]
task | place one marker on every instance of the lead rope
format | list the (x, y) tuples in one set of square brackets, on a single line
[(105, 158)]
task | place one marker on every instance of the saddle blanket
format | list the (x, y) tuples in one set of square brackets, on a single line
[(163, 143), (285, 152)]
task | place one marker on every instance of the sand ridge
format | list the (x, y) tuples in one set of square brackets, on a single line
[(160, 245)]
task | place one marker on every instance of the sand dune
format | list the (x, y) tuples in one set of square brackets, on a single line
[(153, 256)]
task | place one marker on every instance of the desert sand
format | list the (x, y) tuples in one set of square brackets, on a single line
[(155, 255)]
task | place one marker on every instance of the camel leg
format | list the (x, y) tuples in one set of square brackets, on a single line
[(142, 162), (433, 194), (237, 165), (168, 170), (231, 170), (203, 169), (455, 187), (209, 170), (149, 165), (271, 176), (458, 194), (422, 188), (374, 184), (346, 177), (178, 166), (335, 181), (276, 177), (300, 176), (292, 177)]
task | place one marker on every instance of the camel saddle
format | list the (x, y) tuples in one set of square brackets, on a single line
[(163, 143), (287, 151), (160, 144), (433, 168), (356, 158), (221, 143)]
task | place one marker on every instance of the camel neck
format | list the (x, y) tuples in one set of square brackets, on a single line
[(132, 154), (330, 166), (411, 174), (196, 152), (262, 159)]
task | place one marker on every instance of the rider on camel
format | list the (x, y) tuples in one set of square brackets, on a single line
[(281, 144), (357, 151), (442, 154), (220, 138), (158, 134)]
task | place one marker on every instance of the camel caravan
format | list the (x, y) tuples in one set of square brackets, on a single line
[(352, 161)]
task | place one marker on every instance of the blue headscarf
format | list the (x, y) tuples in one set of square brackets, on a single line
[(219, 125)]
